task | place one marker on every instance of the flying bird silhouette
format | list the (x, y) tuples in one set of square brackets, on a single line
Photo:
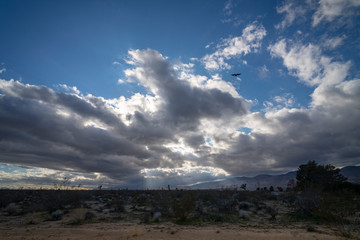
[(236, 74)]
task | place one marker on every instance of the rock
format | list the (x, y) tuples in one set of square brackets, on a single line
[(148, 209), (11, 209), (58, 214), (243, 214), (245, 205), (98, 208), (156, 216), (106, 211)]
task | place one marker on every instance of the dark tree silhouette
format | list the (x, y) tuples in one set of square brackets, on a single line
[(312, 175)]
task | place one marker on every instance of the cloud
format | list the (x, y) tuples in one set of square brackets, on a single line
[(332, 43), (181, 176), (249, 41), (117, 138), (263, 72), (2, 70), (322, 11), (329, 10), (307, 63), (184, 104), (186, 128), (70, 89), (286, 100), (228, 8), (284, 137), (121, 81), (292, 11)]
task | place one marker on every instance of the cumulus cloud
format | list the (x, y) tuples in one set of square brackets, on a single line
[(186, 124), (308, 64), (286, 100), (184, 104), (116, 138), (249, 41), (286, 136)]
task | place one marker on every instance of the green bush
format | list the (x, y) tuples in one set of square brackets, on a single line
[(183, 207)]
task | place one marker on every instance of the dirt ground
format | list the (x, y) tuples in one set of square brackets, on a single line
[(158, 231)]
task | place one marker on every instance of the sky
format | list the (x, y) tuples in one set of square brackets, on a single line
[(140, 94)]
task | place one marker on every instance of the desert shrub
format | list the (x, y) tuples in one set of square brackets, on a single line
[(312, 175), (89, 216), (141, 199), (182, 207), (118, 205), (11, 209), (162, 202), (337, 207), (79, 216), (307, 202), (272, 211), (224, 205), (11, 196), (310, 228), (52, 200), (57, 215)]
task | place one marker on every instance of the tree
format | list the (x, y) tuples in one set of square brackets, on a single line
[(312, 175), (243, 186)]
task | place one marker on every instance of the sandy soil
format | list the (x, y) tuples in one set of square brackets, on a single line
[(157, 231)]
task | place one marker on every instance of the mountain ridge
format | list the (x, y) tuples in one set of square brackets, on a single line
[(352, 173)]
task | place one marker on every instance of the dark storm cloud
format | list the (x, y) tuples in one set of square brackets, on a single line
[(44, 128), (184, 105), (35, 134), (328, 133), (40, 127)]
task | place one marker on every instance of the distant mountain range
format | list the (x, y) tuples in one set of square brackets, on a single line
[(351, 172)]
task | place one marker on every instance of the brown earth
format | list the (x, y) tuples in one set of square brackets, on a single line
[(53, 230)]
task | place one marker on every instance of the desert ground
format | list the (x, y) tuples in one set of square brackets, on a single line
[(160, 231), (202, 214)]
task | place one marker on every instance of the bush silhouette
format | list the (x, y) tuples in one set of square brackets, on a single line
[(312, 175)]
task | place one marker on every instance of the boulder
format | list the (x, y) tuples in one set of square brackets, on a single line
[(58, 214), (156, 216)]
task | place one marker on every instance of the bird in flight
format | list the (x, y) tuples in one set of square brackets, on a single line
[(236, 74)]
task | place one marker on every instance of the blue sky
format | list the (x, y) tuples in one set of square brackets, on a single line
[(124, 93)]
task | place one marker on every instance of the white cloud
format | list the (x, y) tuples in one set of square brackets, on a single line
[(329, 10), (121, 81), (70, 89), (186, 124), (291, 11), (263, 71), (307, 63), (286, 100), (2, 70), (332, 43), (228, 8), (250, 40)]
